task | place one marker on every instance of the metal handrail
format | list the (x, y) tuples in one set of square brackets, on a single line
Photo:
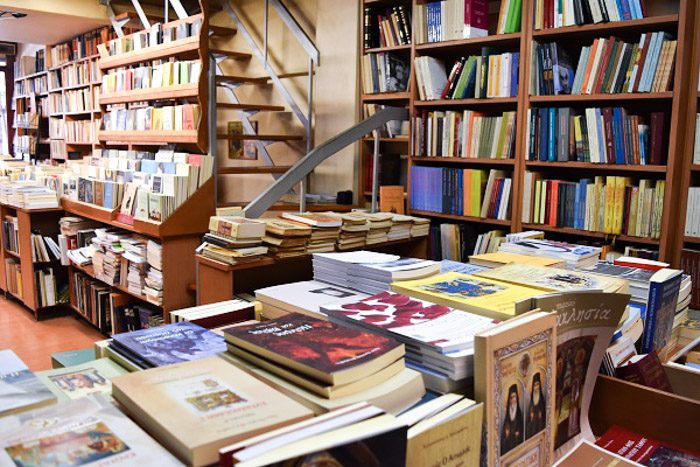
[(310, 161)]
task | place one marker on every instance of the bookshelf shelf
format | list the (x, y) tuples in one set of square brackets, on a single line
[(482, 220), (591, 166), (644, 24), (694, 240), (386, 96), (396, 48), (183, 137), (185, 48), (467, 102), (590, 234), (648, 96), (398, 140), (138, 95), (462, 160), (33, 75), (492, 40), (695, 167)]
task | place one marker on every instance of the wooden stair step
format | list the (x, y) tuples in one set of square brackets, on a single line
[(230, 54), (230, 79), (222, 30), (265, 169), (260, 107), (294, 74), (261, 137)]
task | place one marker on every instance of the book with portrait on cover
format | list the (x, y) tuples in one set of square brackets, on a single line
[(514, 378), (320, 349)]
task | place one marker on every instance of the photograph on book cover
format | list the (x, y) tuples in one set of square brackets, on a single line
[(463, 288), (206, 395), (523, 381), (77, 384)]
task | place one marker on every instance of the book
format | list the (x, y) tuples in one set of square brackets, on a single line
[(577, 256), (643, 449), (306, 297), (72, 357), (78, 381), (215, 315), (322, 350), (20, 389), (514, 378), (587, 453), (553, 279), (586, 322), (88, 430), (314, 219), (195, 408), (645, 370), (485, 297), (237, 227), (499, 258), (169, 344), (664, 286), (391, 199)]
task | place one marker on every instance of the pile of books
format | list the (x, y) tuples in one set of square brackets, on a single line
[(574, 256), (285, 238), (379, 225), (400, 227), (439, 340), (28, 194), (325, 229), (333, 362), (232, 238), (216, 315), (353, 232), (420, 227), (153, 283), (368, 271), (135, 254)]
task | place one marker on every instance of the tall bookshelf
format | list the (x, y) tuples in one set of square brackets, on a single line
[(30, 110), (675, 17)]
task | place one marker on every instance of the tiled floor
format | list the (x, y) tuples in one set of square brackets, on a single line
[(34, 341)]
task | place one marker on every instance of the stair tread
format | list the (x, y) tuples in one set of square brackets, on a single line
[(271, 137), (268, 107), (222, 30), (258, 169), (230, 53), (239, 79)]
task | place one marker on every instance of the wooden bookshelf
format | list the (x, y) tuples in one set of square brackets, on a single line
[(678, 17), (30, 221)]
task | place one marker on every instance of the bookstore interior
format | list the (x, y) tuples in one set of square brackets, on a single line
[(350, 233)]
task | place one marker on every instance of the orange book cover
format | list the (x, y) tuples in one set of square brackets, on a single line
[(591, 58), (467, 186)]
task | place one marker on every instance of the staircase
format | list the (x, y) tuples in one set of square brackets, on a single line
[(233, 86)]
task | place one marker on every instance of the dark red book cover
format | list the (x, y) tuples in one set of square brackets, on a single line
[(640, 63), (318, 344), (605, 60), (626, 213), (609, 137), (644, 450), (658, 138), (476, 14), (647, 372)]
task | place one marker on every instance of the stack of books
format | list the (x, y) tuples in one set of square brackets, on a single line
[(232, 238), (164, 345), (353, 232), (439, 340), (369, 272), (136, 255), (285, 238), (379, 225), (325, 229), (400, 227), (574, 256), (20, 389), (215, 315), (153, 288), (420, 227), (306, 297), (28, 194)]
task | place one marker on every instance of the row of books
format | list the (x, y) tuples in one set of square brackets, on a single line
[(612, 205), (466, 134), (160, 73), (608, 135), (29, 64), (696, 144), (391, 129), (24, 144), (156, 35), (26, 120), (554, 14), (462, 192), (55, 104), (49, 292), (608, 66), (80, 100), (386, 28), (450, 20), (692, 213), (10, 234), (28, 194), (166, 118), (478, 76), (384, 72), (44, 249), (57, 129), (36, 85), (13, 277), (82, 46), (75, 74), (79, 131), (58, 149)]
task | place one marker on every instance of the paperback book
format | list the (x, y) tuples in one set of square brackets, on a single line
[(20, 389)]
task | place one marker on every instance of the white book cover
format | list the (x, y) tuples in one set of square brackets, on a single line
[(86, 431), (19, 387), (307, 295)]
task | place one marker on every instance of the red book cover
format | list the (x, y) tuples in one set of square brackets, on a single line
[(645, 370), (644, 450), (476, 14), (553, 203), (493, 205), (658, 138), (605, 58), (321, 346), (609, 138)]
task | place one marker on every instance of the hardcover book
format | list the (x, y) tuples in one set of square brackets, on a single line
[(664, 287), (644, 450), (85, 431), (20, 389), (586, 322), (81, 380), (486, 297), (514, 378), (586, 454), (306, 297), (320, 349), (171, 343), (314, 219), (195, 408)]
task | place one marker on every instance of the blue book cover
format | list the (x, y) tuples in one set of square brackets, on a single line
[(171, 343), (552, 135), (458, 196), (661, 309), (544, 117), (618, 133), (514, 68), (601, 131), (643, 140), (107, 199), (582, 211), (447, 265), (577, 204)]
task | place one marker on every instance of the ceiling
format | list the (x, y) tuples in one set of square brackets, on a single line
[(41, 27)]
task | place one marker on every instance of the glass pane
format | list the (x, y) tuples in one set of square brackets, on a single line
[(4, 144)]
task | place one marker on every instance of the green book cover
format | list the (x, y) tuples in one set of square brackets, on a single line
[(467, 70), (78, 381), (72, 357)]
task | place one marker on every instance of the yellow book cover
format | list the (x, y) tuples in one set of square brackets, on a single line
[(609, 205), (502, 258), (620, 183), (485, 297), (634, 200), (157, 124)]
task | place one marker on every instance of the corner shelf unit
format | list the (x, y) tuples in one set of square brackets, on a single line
[(679, 17)]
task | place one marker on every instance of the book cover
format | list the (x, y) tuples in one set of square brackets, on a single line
[(644, 450), (646, 370), (586, 322), (664, 287), (514, 378), (306, 297), (321, 349), (586, 454), (85, 431), (408, 319), (493, 299), (171, 343), (79, 381), (20, 389)]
